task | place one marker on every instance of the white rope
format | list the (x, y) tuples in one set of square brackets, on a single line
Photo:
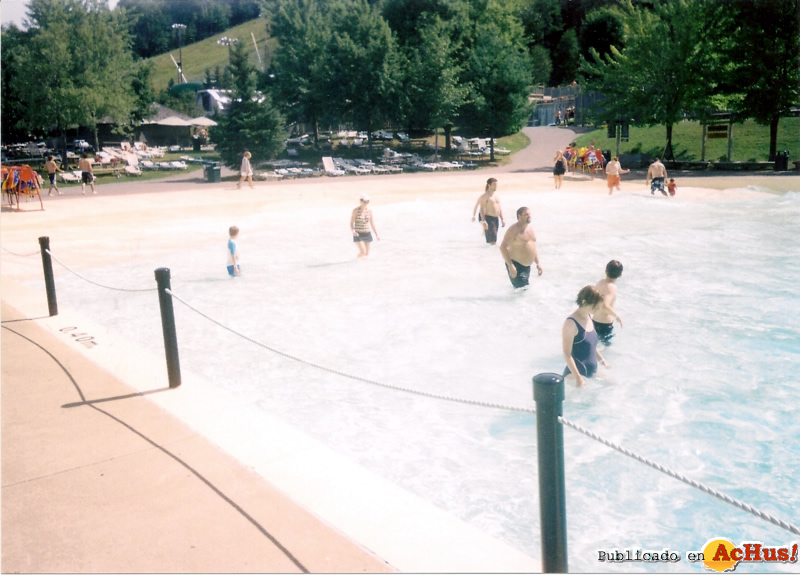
[(23, 255), (97, 283), (351, 376), (693, 483)]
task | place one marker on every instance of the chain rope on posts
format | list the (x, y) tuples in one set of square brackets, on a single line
[(97, 283), (20, 255), (693, 483)]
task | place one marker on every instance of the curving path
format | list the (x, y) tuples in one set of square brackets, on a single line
[(545, 140)]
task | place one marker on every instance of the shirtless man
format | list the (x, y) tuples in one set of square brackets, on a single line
[(604, 316), (657, 173), (87, 175), (519, 249), (490, 211), (52, 168)]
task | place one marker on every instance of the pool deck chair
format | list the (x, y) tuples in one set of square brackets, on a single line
[(330, 169)]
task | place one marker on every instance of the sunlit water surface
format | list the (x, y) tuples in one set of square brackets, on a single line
[(704, 375)]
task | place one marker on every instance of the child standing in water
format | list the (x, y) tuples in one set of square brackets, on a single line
[(234, 269), (672, 187)]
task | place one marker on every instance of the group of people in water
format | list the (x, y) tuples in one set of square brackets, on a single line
[(591, 323), (592, 159)]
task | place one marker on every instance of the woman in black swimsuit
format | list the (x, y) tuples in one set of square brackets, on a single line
[(579, 338), (559, 169)]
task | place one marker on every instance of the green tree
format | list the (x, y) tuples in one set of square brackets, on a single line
[(12, 106), (433, 91), (499, 73), (302, 29), (665, 71), (362, 66), (763, 48), (76, 68), (251, 122)]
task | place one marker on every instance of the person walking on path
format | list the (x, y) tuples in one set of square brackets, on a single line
[(559, 169), (52, 168), (519, 250), (246, 171), (360, 222), (490, 214), (579, 338), (87, 174), (604, 316), (656, 175), (613, 171)]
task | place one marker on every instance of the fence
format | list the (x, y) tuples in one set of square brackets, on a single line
[(548, 391)]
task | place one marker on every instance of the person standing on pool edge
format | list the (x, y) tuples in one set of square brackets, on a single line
[(519, 249), (360, 221), (604, 316), (490, 213)]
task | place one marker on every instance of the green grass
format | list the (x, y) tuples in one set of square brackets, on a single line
[(750, 141), (207, 54)]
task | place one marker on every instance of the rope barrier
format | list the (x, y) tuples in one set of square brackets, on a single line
[(97, 283), (22, 255), (693, 483), (351, 376)]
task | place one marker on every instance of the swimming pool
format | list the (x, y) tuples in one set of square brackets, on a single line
[(703, 376)]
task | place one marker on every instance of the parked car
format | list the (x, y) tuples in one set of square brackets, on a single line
[(81, 145), (402, 136), (382, 135)]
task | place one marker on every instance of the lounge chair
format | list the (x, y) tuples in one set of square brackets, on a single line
[(133, 171), (330, 168), (149, 165), (69, 177)]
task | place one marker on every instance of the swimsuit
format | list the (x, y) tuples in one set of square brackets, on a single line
[(86, 177), (657, 184), (361, 226), (492, 224), (52, 178), (605, 331), (558, 169), (522, 277), (584, 351)]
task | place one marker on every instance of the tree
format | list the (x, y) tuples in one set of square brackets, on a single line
[(76, 68), (13, 107), (251, 122), (433, 92), (499, 73), (665, 71), (361, 66), (764, 50), (302, 29)]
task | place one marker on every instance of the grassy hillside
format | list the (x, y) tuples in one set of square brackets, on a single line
[(750, 141), (207, 54)]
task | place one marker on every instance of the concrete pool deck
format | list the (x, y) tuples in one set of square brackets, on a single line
[(106, 470)]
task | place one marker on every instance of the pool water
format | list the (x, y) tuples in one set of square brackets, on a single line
[(704, 374)]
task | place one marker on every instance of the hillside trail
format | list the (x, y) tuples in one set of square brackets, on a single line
[(538, 155)]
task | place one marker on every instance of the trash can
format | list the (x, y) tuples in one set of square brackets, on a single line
[(782, 161), (213, 172)]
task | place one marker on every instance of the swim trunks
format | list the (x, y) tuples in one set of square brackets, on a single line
[(605, 331), (52, 176), (613, 180), (523, 275), (230, 271), (492, 224), (86, 177), (584, 351), (657, 184), (363, 237)]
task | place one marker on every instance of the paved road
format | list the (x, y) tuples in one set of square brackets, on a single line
[(538, 157)]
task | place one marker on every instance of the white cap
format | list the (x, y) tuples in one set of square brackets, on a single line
[(364, 198)]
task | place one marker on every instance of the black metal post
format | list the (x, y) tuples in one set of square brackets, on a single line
[(49, 282), (168, 327), (548, 392)]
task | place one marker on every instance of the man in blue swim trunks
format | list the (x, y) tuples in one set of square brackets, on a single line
[(656, 175), (519, 250)]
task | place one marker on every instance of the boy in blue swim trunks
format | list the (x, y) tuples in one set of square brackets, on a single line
[(234, 269), (604, 315)]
